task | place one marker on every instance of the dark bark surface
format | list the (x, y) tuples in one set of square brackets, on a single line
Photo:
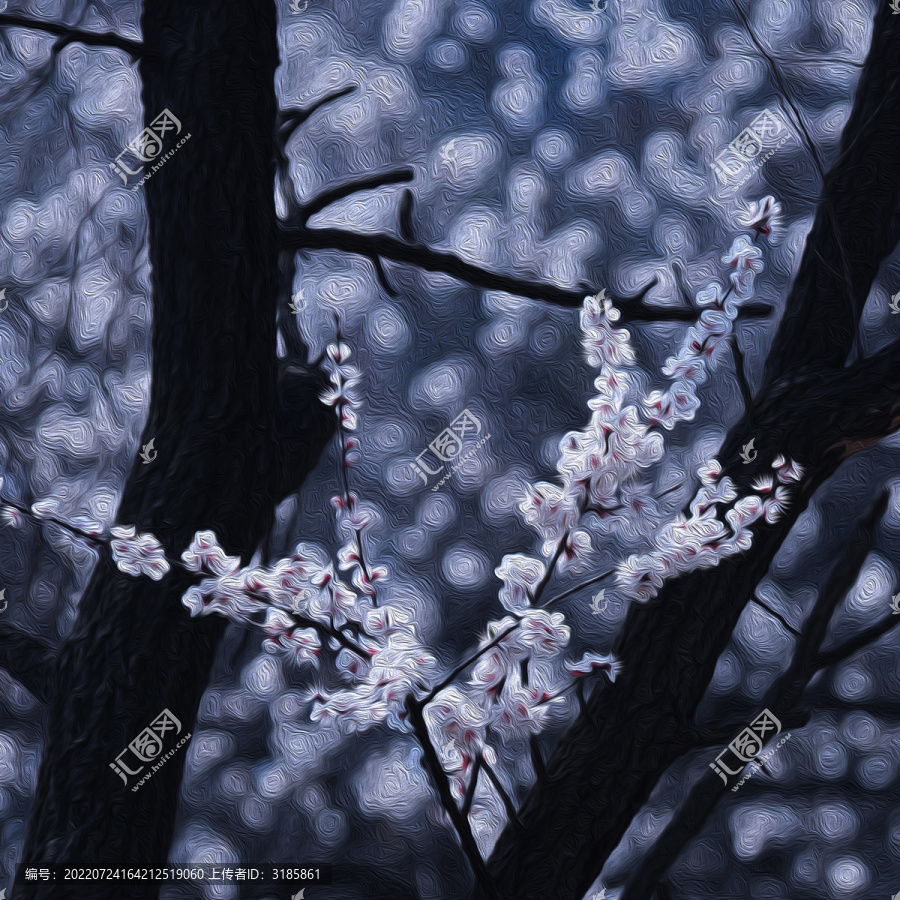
[(227, 449), (810, 409)]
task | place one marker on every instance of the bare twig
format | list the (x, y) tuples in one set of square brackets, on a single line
[(290, 119), (855, 644), (740, 371), (72, 35), (381, 179), (578, 587), (540, 770), (682, 284), (470, 790), (507, 800), (404, 217), (775, 614), (382, 277), (464, 665)]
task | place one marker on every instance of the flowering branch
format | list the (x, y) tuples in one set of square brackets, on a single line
[(782, 699), (459, 820)]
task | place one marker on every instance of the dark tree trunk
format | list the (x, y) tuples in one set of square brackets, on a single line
[(228, 449), (810, 409)]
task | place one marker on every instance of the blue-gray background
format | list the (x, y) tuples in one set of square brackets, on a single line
[(549, 141)]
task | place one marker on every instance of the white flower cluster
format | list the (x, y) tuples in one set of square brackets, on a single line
[(703, 540), (138, 554), (495, 702), (344, 391)]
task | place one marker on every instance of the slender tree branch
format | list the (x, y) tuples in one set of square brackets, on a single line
[(578, 587), (382, 277), (381, 179), (71, 35), (31, 661), (404, 217), (507, 800), (464, 665), (290, 119), (775, 614), (470, 790), (782, 84), (540, 770), (461, 823), (859, 642), (740, 371), (682, 284)]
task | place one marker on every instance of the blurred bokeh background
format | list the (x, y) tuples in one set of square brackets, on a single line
[(549, 141)]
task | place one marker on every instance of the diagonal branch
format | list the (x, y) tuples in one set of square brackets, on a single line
[(317, 204), (855, 644), (290, 119), (460, 822), (782, 699), (633, 309), (504, 796), (31, 661), (134, 49)]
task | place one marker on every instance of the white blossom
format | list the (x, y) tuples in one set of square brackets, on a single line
[(520, 575), (205, 555), (521, 710), (138, 554), (593, 662), (764, 218)]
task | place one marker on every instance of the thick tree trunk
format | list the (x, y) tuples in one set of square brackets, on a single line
[(226, 448), (810, 409)]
